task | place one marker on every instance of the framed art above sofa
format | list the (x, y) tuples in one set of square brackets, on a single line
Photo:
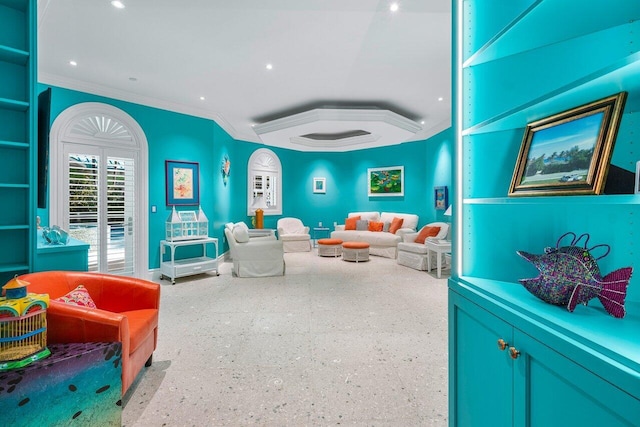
[(387, 181)]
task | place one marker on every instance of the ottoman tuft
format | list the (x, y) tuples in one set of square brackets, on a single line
[(355, 251), (329, 247)]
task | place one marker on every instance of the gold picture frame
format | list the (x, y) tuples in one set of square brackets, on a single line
[(568, 153)]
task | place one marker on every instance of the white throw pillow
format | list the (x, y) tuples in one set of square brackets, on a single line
[(240, 233)]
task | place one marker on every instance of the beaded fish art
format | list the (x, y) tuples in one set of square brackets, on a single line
[(569, 275)]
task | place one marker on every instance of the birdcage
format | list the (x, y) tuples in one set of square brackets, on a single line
[(23, 330)]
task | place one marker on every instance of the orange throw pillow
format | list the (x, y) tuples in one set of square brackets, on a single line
[(427, 232), (395, 225), (375, 226), (350, 223)]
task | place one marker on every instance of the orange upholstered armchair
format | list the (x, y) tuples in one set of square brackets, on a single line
[(126, 311)]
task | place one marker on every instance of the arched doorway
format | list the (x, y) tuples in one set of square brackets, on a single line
[(99, 188)]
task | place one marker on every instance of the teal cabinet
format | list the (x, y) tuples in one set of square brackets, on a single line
[(507, 375), (18, 118), (74, 256), (515, 63)]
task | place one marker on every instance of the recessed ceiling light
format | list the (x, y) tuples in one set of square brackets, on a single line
[(73, 63), (202, 98), (269, 66), (422, 122), (440, 99), (393, 7), (117, 4)]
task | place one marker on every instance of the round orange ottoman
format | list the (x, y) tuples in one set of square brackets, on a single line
[(330, 247), (355, 251)]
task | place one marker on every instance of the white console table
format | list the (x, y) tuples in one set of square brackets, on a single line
[(440, 247), (173, 268)]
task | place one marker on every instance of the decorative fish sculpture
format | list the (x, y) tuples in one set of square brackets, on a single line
[(569, 275)]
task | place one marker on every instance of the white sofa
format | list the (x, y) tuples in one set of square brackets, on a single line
[(381, 243), (255, 256)]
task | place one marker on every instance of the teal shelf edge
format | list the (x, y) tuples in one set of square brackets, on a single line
[(608, 80), (13, 104), (604, 199), (10, 185), (16, 56), (14, 144), (472, 59), (540, 14), (14, 227), (13, 267)]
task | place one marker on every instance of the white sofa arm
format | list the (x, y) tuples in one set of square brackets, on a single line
[(339, 227), (409, 237), (401, 232)]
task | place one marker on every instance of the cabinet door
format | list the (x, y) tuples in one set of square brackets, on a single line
[(551, 390), (480, 374)]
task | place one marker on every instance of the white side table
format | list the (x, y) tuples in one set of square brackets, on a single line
[(440, 247)]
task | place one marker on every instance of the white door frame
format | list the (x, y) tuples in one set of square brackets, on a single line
[(68, 129)]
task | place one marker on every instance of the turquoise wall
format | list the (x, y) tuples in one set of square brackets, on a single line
[(175, 136)]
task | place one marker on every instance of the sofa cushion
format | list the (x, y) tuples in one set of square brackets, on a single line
[(241, 234), (79, 296), (410, 220), (415, 248), (371, 216), (425, 232), (362, 225), (395, 225), (375, 226), (374, 239), (350, 222)]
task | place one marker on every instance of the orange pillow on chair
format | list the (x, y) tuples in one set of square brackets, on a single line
[(350, 223), (375, 226), (427, 232), (395, 225)]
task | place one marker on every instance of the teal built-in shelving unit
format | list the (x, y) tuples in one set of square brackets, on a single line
[(516, 62), (18, 118)]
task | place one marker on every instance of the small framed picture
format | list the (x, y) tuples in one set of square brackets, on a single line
[(441, 198), (182, 182), (319, 185)]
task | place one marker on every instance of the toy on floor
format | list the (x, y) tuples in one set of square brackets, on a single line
[(569, 275)]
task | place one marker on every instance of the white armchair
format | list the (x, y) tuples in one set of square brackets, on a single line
[(256, 256), (294, 235), (413, 254)]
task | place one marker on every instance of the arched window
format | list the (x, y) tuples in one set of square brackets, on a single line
[(264, 183)]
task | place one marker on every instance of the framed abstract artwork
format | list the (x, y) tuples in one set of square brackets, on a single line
[(387, 181), (319, 185), (570, 152), (441, 198), (182, 182)]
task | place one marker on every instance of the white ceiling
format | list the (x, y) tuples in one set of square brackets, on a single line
[(327, 55)]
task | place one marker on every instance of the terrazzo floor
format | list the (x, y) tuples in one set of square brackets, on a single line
[(330, 343)]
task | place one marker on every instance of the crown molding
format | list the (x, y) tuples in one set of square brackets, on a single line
[(121, 95)]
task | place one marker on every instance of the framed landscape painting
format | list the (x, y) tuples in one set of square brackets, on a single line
[(568, 153), (182, 182), (387, 181)]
